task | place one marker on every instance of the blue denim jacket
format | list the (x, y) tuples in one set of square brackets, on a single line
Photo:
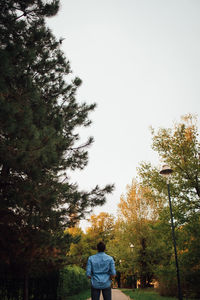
[(100, 267)]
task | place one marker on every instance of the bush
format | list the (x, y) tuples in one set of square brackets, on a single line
[(41, 285), (167, 281), (168, 287), (191, 283), (190, 280), (72, 281)]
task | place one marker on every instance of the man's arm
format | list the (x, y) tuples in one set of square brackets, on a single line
[(89, 268), (112, 269)]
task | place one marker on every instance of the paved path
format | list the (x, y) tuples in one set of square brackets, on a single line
[(116, 295)]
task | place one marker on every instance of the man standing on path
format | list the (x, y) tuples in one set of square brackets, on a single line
[(100, 269)]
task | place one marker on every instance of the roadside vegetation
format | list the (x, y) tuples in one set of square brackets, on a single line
[(139, 239), (81, 296), (145, 295)]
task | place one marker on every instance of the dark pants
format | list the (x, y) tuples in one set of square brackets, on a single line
[(95, 293)]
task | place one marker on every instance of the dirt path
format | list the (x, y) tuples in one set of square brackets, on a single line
[(116, 295)]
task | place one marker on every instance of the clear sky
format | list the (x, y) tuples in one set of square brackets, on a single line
[(140, 62)]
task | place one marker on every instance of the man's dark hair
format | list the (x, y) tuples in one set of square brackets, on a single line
[(101, 247)]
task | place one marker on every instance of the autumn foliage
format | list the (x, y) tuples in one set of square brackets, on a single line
[(139, 238)]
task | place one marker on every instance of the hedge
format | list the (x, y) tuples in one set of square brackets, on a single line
[(72, 281)]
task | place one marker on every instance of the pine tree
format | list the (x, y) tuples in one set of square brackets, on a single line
[(39, 116)]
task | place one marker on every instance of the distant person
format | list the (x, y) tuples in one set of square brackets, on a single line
[(100, 269)]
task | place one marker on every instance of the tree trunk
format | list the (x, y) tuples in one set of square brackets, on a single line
[(5, 171), (143, 263), (143, 281), (25, 286), (134, 282)]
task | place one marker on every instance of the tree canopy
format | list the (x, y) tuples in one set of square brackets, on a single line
[(178, 147), (39, 140), (141, 240)]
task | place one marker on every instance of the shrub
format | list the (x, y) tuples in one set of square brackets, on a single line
[(72, 281), (167, 281), (190, 280)]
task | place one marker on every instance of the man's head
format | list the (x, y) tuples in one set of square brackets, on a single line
[(101, 247)]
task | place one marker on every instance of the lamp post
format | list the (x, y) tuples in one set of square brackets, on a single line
[(134, 280), (166, 172)]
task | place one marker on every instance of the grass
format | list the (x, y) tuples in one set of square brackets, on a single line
[(145, 295), (82, 296)]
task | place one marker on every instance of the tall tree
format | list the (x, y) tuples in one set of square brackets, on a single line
[(136, 216), (39, 117), (179, 147), (102, 227)]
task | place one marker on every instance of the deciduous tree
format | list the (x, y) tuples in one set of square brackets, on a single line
[(136, 216), (179, 148), (101, 227)]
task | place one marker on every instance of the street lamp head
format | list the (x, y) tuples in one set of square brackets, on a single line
[(166, 171)]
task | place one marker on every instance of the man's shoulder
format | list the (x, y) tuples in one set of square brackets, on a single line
[(94, 256), (108, 256)]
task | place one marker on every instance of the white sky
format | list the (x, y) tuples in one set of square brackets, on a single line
[(140, 62)]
